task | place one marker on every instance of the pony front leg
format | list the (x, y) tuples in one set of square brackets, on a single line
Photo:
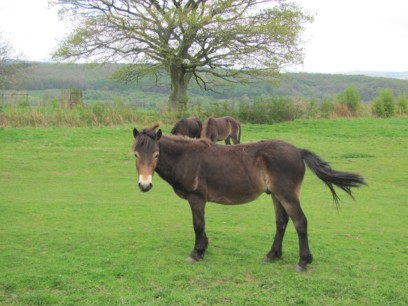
[(197, 205)]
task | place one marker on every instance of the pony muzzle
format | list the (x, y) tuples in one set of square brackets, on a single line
[(145, 183)]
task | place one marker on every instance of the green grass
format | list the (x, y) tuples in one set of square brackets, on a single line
[(75, 230)]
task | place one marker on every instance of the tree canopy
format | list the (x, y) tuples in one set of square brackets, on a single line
[(8, 68), (191, 40), (11, 67)]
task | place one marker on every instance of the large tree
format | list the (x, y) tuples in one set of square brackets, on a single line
[(12, 66), (196, 40), (8, 67)]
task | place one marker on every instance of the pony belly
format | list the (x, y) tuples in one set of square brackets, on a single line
[(239, 188), (236, 197), (232, 201)]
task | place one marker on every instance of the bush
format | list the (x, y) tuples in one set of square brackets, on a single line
[(383, 104), (326, 109), (219, 109), (268, 110), (402, 104), (351, 98), (341, 110)]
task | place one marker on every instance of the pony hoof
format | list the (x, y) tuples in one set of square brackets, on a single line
[(300, 268), (269, 259), (273, 257), (190, 259)]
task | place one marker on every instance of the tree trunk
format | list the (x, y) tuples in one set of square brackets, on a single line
[(179, 82)]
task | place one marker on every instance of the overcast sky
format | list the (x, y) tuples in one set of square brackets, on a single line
[(347, 35)]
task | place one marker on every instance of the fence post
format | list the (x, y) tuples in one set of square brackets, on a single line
[(71, 97)]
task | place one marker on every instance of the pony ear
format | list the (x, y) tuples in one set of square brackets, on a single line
[(135, 132), (158, 134)]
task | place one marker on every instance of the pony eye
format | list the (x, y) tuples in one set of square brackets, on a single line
[(136, 154), (156, 155)]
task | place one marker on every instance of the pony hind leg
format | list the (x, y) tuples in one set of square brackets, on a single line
[(282, 219), (236, 137), (292, 207)]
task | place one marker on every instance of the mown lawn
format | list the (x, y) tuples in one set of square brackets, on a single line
[(74, 228)]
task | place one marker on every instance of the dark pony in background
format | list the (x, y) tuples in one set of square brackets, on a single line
[(190, 127), (222, 128), (200, 171)]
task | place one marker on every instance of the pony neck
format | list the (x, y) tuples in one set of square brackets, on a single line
[(172, 147), (170, 152)]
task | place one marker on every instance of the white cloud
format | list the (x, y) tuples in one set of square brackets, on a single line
[(31, 27), (356, 35)]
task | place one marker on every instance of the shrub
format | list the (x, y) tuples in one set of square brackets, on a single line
[(341, 110), (402, 104), (351, 98), (383, 104), (219, 109), (268, 110), (327, 108), (98, 113)]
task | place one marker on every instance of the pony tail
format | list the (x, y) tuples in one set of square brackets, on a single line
[(239, 133), (204, 128), (200, 127), (344, 180)]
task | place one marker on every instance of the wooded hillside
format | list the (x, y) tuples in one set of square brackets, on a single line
[(43, 76)]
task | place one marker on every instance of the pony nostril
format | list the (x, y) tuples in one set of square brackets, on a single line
[(145, 187)]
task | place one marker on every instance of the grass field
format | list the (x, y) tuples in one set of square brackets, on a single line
[(75, 230)]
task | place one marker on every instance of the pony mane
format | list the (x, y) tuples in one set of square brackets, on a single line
[(151, 131), (143, 140), (182, 139), (146, 137)]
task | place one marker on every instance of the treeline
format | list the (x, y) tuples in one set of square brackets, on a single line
[(46, 76), (35, 100), (346, 104), (262, 110)]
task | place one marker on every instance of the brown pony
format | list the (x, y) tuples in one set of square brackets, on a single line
[(190, 127), (200, 171), (222, 128)]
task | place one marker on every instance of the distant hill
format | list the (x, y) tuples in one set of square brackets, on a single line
[(403, 75), (320, 86), (42, 76)]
